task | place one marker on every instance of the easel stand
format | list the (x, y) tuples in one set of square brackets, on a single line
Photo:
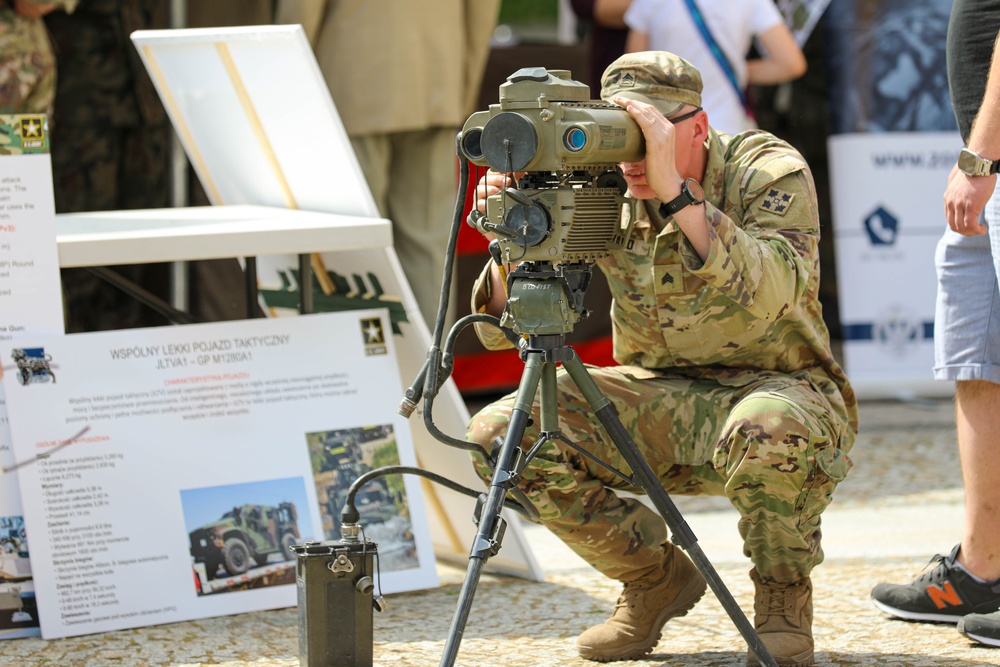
[(541, 354)]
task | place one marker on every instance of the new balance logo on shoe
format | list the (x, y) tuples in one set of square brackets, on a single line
[(943, 595)]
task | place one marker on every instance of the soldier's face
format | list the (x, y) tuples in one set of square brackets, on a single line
[(688, 134), (635, 177)]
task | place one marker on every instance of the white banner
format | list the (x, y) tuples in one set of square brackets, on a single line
[(888, 215), (30, 303), (165, 472)]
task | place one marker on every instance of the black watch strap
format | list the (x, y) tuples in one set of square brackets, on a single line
[(691, 193)]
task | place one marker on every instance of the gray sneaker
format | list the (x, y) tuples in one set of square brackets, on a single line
[(983, 628)]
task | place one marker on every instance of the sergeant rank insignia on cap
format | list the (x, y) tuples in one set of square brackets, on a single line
[(777, 202)]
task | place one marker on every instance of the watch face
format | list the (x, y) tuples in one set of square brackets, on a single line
[(971, 164), (695, 190)]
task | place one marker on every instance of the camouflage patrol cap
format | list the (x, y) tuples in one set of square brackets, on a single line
[(662, 79)]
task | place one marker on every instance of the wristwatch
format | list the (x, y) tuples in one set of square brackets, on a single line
[(971, 164), (691, 193)]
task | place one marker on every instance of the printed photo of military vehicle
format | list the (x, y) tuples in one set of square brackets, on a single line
[(18, 610), (340, 456), (245, 537)]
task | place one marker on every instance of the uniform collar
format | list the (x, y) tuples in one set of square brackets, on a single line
[(713, 182)]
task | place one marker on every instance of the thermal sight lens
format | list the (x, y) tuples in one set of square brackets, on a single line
[(575, 139)]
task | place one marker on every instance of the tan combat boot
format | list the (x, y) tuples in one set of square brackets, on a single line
[(783, 619), (645, 605)]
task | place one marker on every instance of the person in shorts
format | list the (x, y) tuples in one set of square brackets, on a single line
[(964, 586)]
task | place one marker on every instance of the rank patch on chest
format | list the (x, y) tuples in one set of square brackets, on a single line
[(777, 202)]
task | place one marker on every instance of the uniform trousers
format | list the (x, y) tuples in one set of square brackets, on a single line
[(767, 442)]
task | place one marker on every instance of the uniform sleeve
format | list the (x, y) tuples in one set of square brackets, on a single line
[(764, 263), (491, 337)]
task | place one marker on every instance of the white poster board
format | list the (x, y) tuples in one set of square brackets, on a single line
[(258, 123), (888, 216), (31, 303), (165, 472)]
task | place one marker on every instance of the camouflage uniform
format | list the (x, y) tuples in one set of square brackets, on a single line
[(727, 383), (110, 146), (27, 65)]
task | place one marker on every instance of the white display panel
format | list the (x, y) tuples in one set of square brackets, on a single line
[(30, 303), (258, 124), (163, 471), (888, 216)]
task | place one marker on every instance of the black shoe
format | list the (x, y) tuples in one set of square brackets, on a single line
[(943, 595), (983, 628)]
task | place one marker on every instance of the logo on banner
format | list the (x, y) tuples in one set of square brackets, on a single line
[(898, 331), (33, 365), (373, 335), (882, 227), (32, 132)]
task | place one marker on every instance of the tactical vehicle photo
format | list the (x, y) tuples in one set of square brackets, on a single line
[(244, 535)]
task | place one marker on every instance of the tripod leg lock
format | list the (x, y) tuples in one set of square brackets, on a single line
[(487, 548)]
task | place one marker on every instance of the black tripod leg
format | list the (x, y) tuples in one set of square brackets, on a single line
[(490, 530), (680, 531)]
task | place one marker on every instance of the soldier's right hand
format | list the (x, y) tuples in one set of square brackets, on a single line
[(492, 183)]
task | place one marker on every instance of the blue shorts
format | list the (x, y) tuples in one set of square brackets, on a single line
[(967, 316)]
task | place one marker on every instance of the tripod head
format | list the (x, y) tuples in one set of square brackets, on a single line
[(569, 208)]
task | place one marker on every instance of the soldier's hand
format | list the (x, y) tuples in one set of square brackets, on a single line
[(492, 183)]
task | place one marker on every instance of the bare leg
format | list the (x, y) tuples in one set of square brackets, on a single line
[(977, 416)]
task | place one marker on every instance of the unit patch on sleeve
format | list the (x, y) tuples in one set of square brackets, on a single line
[(776, 201)]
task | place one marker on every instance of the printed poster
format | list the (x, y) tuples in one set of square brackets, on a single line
[(31, 302), (168, 471), (887, 221)]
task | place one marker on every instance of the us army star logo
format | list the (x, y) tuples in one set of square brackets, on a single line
[(31, 127), (374, 336), (777, 202)]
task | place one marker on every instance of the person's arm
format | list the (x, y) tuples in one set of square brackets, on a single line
[(966, 196), (490, 184), (765, 270), (661, 168), (605, 13), (636, 41), (611, 13), (782, 61)]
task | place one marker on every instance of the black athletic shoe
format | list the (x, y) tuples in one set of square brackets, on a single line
[(983, 628), (943, 595)]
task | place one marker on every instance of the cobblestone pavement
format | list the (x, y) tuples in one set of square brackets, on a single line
[(900, 505)]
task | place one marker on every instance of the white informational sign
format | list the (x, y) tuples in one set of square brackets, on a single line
[(165, 472), (256, 119), (30, 302), (257, 122), (887, 219)]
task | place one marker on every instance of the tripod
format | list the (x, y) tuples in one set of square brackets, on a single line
[(542, 350)]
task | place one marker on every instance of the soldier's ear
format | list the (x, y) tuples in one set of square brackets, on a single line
[(700, 121)]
